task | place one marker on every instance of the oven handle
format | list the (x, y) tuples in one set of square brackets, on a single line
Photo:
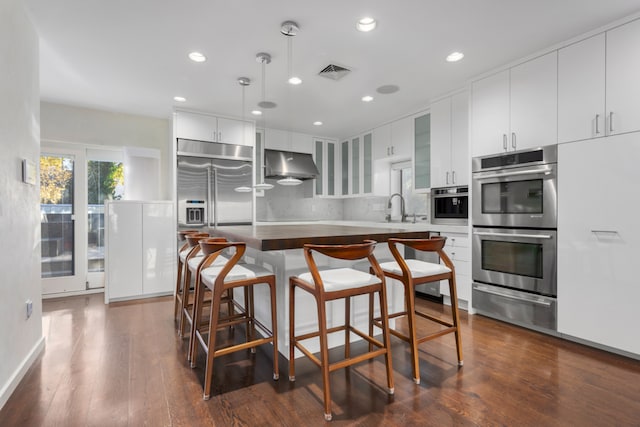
[(528, 236), (504, 295), (544, 171)]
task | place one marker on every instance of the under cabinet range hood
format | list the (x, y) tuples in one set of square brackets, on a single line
[(283, 164)]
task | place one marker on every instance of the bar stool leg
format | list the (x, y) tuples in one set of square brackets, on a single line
[(384, 313), (211, 346), (411, 317), (456, 318), (274, 327), (324, 356), (292, 332), (185, 300), (347, 327), (178, 280)]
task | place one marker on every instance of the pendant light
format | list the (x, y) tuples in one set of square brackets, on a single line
[(289, 181), (243, 82), (264, 59), (290, 29)]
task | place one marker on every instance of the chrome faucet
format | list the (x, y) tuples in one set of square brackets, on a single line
[(403, 214)]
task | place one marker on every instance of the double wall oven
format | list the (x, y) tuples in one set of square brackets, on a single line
[(514, 241)]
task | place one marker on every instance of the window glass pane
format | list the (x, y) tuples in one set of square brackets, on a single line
[(56, 213), (522, 259), (105, 181)]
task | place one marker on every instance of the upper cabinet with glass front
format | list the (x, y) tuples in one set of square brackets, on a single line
[(357, 165), (206, 127), (422, 152), (325, 156)]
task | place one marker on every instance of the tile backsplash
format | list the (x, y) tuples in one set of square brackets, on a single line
[(298, 204)]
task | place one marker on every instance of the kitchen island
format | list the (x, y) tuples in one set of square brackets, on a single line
[(278, 248)]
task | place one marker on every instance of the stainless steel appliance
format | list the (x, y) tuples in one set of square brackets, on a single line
[(214, 184), (450, 206), (518, 189), (514, 243)]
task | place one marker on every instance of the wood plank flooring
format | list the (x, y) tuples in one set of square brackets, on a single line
[(123, 365)]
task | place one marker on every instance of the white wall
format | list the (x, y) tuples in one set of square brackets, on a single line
[(21, 339), (64, 123)]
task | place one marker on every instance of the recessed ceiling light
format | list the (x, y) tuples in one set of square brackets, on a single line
[(387, 89), (197, 57), (318, 123), (295, 80), (256, 112), (366, 24), (179, 98), (455, 56), (367, 98)]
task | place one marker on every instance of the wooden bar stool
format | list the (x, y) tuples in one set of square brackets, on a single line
[(184, 294), (412, 272), (182, 254), (193, 267), (221, 279), (334, 284)]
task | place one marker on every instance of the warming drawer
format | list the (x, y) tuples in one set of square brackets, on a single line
[(513, 306)]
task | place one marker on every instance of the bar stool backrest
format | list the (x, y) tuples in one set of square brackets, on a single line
[(433, 244)]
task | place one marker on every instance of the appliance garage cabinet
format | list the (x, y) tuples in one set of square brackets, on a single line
[(450, 141), (598, 85), (599, 241), (206, 127), (140, 253), (516, 109), (357, 165)]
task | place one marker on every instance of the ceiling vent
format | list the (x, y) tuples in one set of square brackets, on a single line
[(334, 72)]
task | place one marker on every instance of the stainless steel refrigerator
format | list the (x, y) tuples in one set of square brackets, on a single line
[(214, 184)]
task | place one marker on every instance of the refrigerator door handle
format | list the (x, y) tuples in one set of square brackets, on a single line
[(208, 206), (214, 203)]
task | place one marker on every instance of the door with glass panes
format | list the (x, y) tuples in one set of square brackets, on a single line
[(73, 186)]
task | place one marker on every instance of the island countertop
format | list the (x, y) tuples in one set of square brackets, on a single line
[(280, 237)]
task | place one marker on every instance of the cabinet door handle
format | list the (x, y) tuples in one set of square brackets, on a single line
[(453, 177), (611, 121), (513, 140), (504, 141), (447, 178), (388, 152), (392, 150), (597, 124)]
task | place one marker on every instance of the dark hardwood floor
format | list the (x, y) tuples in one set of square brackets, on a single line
[(123, 365)]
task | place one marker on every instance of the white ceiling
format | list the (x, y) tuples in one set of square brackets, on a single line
[(131, 56)]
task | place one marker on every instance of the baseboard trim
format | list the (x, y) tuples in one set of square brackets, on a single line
[(73, 293), (10, 386)]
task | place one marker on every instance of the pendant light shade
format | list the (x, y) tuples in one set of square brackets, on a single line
[(263, 186), (289, 181)]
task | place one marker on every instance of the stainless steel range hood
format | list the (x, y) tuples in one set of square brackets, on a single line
[(282, 164)]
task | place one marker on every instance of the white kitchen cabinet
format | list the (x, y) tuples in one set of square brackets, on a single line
[(206, 127), (623, 84), (599, 241), (394, 141), (140, 249), (276, 139), (458, 249), (449, 141), (598, 86), (517, 108), (581, 90), (325, 156)]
